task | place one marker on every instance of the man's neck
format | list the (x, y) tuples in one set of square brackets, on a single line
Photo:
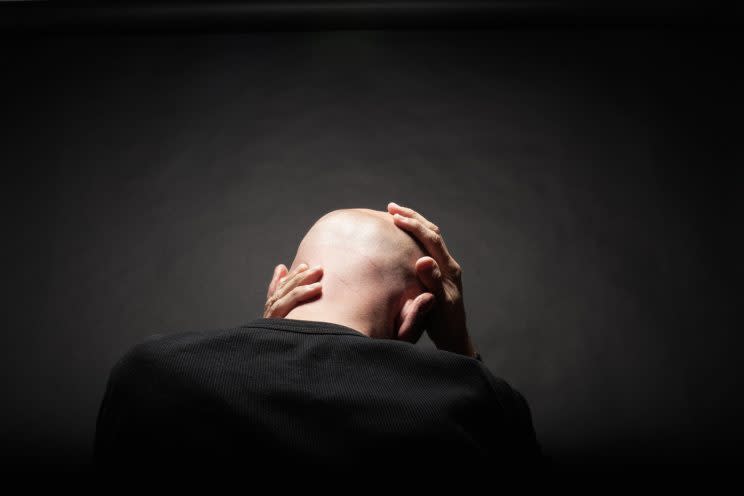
[(318, 313)]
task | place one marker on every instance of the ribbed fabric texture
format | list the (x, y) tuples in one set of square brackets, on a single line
[(310, 392)]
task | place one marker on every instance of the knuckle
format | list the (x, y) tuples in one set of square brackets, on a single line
[(436, 229), (456, 269)]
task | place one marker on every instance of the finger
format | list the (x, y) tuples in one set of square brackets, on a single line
[(412, 326), (288, 302), (432, 241), (304, 277), (279, 272), (292, 274), (394, 208), (426, 302), (430, 274)]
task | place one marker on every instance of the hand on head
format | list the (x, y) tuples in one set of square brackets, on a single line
[(287, 290), (389, 275), (440, 273)]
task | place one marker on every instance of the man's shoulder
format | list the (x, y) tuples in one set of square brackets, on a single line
[(165, 350), (164, 346), (273, 344), (161, 345)]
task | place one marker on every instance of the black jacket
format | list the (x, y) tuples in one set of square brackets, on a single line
[(310, 392)]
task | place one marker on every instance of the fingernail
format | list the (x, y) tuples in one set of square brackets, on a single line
[(302, 266), (394, 204), (317, 268)]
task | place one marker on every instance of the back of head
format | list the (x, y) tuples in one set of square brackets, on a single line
[(368, 270)]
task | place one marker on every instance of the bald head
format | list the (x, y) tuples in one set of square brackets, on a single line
[(368, 270)]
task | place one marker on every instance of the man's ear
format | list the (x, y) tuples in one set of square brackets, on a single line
[(411, 317)]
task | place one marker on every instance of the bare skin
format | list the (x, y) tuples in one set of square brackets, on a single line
[(442, 275), (382, 273), (369, 281)]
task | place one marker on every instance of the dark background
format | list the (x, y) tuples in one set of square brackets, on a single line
[(586, 177)]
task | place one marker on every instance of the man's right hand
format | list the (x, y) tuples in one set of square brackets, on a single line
[(288, 290), (441, 274)]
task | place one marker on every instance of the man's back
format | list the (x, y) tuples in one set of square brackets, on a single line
[(314, 392)]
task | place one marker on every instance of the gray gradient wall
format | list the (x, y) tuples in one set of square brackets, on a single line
[(585, 180)]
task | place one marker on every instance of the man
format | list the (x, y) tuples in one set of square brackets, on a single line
[(330, 376)]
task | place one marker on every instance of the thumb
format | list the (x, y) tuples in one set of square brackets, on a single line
[(426, 302), (412, 325), (429, 273)]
